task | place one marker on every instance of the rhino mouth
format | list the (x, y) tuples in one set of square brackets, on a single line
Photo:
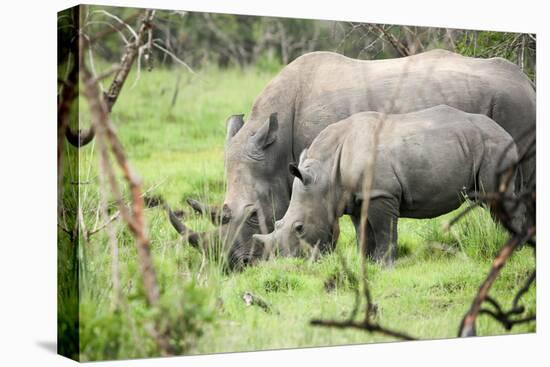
[(244, 254)]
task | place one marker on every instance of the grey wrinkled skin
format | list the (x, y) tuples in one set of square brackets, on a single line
[(321, 88), (425, 160)]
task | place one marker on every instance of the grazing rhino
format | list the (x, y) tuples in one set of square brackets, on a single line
[(424, 161), (321, 88)]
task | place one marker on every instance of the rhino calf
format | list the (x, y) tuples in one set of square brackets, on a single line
[(424, 161)]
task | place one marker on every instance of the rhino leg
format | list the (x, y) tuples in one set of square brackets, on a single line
[(382, 230), (520, 217), (356, 223), (371, 241)]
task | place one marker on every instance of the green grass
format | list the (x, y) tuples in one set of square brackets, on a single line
[(178, 151)]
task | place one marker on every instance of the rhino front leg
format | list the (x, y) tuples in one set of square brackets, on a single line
[(356, 224), (382, 230), (371, 240)]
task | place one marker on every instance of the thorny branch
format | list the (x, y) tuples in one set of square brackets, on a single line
[(402, 49), (504, 206)]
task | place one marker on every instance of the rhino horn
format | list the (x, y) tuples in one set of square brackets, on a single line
[(259, 239), (198, 240), (233, 125), (267, 134), (217, 217), (263, 241)]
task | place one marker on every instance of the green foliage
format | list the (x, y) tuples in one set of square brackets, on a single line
[(183, 315), (227, 40), (478, 235), (515, 47), (268, 63), (129, 330), (104, 335), (475, 235)]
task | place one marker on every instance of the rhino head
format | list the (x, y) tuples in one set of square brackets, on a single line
[(257, 193), (258, 190), (311, 221)]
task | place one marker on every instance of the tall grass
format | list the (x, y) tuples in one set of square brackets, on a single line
[(478, 235)]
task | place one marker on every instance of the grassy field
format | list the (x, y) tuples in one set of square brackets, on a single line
[(178, 151)]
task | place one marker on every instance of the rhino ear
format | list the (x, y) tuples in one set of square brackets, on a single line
[(335, 174), (301, 175), (267, 134), (335, 183), (233, 125)]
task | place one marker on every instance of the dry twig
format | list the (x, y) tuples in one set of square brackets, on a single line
[(252, 300)]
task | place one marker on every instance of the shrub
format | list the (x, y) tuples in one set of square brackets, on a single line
[(478, 235)]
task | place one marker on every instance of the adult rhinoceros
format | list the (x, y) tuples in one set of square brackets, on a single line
[(321, 88)]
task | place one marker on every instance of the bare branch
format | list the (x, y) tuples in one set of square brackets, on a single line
[(394, 41), (364, 325), (109, 221), (114, 28), (127, 60), (120, 21), (107, 73), (117, 27), (174, 57)]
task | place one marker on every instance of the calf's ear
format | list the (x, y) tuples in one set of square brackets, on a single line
[(301, 175), (233, 125), (267, 134)]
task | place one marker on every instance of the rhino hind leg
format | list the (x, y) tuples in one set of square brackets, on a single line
[(521, 217)]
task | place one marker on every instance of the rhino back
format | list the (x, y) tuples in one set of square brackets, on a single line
[(330, 87), (424, 159), (321, 88)]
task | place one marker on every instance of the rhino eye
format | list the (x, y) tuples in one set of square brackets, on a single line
[(299, 229), (226, 214)]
